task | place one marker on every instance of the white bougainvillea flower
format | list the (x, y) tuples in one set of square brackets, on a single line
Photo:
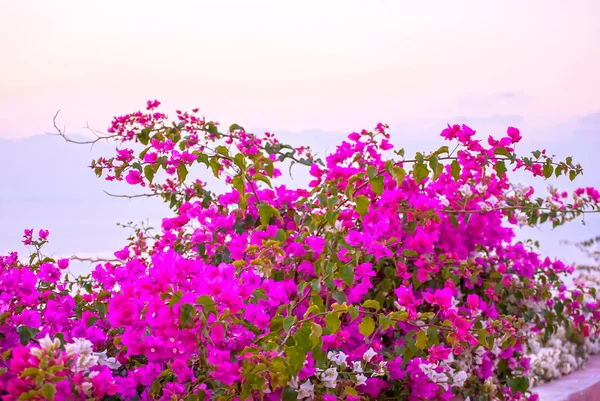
[(49, 344), (369, 354), (79, 346), (361, 379), (339, 358), (465, 191), (307, 390), (459, 379), (329, 377)]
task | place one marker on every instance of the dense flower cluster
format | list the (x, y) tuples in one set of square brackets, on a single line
[(561, 354), (566, 350), (387, 278)]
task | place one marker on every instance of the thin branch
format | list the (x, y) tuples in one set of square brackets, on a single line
[(62, 133), (131, 196), (92, 260)]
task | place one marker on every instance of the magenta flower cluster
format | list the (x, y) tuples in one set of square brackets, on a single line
[(387, 277)]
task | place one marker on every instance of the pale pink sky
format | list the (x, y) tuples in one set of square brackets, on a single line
[(335, 65)]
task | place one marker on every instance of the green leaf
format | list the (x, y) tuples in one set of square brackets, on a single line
[(398, 173), (422, 339), (311, 309), (149, 172), (455, 168), (260, 177), (547, 170), (316, 334), (137, 166), (572, 175), (211, 128), (502, 152), (240, 161), (222, 150), (438, 172), (500, 168), (208, 303), (433, 163), (265, 211), (91, 321), (366, 326), (377, 185), (332, 322), (371, 303), (372, 172), (559, 307), (186, 312), (482, 337), (182, 172), (362, 205), (295, 359), (239, 184), (420, 172), (409, 253), (339, 297), (518, 384), (453, 220), (235, 127), (215, 166), (289, 394), (29, 372), (288, 322), (176, 298), (347, 274), (442, 149), (48, 391), (144, 136), (24, 334), (203, 158)]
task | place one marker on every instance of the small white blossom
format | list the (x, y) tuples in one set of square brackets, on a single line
[(293, 383), (369, 354), (84, 362), (380, 370), (103, 359), (481, 188), (357, 367), (79, 346), (444, 201), (427, 368), (339, 358), (460, 378), (49, 344), (486, 208), (361, 379), (329, 377), (465, 191), (307, 390), (440, 379), (86, 387), (37, 352)]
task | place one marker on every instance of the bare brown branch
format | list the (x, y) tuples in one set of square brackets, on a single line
[(62, 133), (93, 260), (131, 196)]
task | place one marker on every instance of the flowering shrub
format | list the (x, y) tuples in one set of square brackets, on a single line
[(567, 350), (387, 278), (561, 354)]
